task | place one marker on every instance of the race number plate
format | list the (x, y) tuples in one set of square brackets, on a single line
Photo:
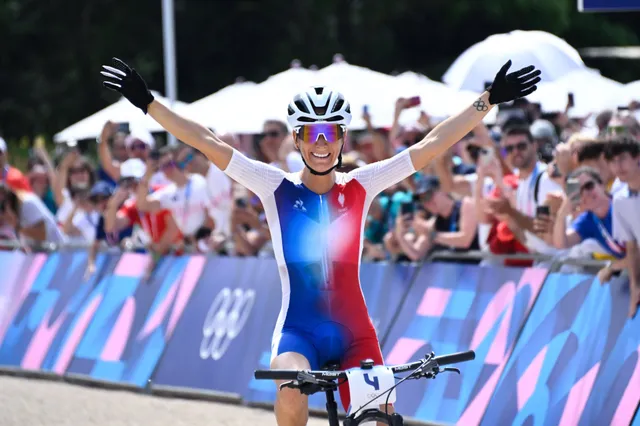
[(364, 385)]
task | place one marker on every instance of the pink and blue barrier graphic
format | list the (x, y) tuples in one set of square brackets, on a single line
[(453, 308), (550, 350), (576, 362)]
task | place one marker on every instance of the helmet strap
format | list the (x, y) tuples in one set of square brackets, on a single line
[(326, 172)]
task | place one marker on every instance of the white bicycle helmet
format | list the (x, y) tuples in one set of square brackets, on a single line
[(319, 105)]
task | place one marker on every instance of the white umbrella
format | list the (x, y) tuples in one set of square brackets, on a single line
[(591, 91), (120, 112), (480, 63)]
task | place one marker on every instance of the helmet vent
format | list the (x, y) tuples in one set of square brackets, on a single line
[(318, 90), (338, 105), (301, 106)]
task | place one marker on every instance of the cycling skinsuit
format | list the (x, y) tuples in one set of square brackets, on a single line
[(317, 241)]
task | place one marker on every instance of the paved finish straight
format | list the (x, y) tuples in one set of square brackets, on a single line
[(40, 402)]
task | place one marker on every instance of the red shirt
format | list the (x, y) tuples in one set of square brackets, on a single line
[(154, 224), (15, 179)]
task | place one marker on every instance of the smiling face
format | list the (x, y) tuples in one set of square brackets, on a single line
[(592, 193), (320, 144)]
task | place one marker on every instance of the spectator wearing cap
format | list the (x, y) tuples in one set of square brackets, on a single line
[(156, 231), (546, 138), (11, 176), (186, 197), (535, 184), (624, 155)]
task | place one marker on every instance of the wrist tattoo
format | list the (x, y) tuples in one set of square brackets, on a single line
[(480, 105)]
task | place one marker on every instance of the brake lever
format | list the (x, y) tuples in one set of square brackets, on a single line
[(293, 384), (449, 369)]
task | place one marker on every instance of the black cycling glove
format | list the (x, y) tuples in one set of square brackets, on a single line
[(508, 87), (127, 81)]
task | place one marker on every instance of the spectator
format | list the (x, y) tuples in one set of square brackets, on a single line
[(40, 184), (99, 197), (186, 197), (250, 231), (587, 194), (138, 143), (218, 186), (546, 139), (110, 159), (158, 230), (71, 185), (624, 154), (275, 146), (623, 124), (11, 176), (26, 217), (534, 186)]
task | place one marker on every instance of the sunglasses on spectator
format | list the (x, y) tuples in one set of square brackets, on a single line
[(587, 187), (138, 146), (520, 146), (184, 163), (168, 165), (77, 170), (310, 133), (98, 199), (271, 134)]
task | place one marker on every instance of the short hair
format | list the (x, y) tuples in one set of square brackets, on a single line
[(585, 170), (590, 149), (281, 124), (169, 150), (621, 144), (519, 131)]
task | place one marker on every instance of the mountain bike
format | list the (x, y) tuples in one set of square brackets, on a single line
[(367, 384)]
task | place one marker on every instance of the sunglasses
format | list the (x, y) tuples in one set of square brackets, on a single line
[(138, 146), (520, 146), (77, 170), (587, 187), (184, 163), (98, 199), (168, 165), (311, 132), (271, 134)]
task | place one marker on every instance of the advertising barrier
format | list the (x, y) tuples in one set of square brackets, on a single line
[(556, 349), (576, 361), (454, 308)]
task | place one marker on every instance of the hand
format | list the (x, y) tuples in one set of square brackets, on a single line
[(424, 226), (366, 117), (126, 81), (543, 225), (119, 197), (69, 158), (424, 119), (499, 205), (605, 274), (564, 158), (108, 130), (508, 87), (402, 223), (401, 104), (554, 201)]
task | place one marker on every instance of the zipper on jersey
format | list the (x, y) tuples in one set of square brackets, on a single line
[(324, 220)]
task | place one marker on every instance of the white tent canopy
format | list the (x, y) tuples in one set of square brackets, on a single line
[(119, 112), (480, 62), (591, 91)]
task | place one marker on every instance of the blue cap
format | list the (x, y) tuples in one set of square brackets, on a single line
[(101, 189), (428, 184)]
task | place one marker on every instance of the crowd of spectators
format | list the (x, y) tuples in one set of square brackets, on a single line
[(532, 183)]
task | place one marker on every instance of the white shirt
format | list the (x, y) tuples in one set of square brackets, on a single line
[(85, 222), (526, 204), (618, 187), (33, 210), (220, 196), (189, 204), (626, 217)]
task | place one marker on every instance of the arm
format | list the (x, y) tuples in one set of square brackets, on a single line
[(450, 131), (449, 182), (115, 221), (37, 232), (104, 154), (562, 237), (58, 184), (68, 227), (468, 228), (144, 201), (193, 134)]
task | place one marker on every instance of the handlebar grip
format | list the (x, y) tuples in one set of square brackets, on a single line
[(276, 374), (455, 358)]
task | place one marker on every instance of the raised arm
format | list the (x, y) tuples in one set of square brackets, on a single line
[(505, 88), (130, 84)]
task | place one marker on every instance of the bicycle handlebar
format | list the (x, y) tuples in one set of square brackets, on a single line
[(305, 375)]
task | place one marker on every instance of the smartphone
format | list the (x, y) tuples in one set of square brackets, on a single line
[(407, 209), (413, 101), (123, 127), (543, 211), (570, 100), (573, 189)]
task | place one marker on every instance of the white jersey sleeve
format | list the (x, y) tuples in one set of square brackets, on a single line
[(376, 177), (259, 178)]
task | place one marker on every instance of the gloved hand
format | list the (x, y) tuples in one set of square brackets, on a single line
[(507, 87), (127, 81)]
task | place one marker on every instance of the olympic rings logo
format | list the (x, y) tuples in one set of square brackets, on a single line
[(227, 316)]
